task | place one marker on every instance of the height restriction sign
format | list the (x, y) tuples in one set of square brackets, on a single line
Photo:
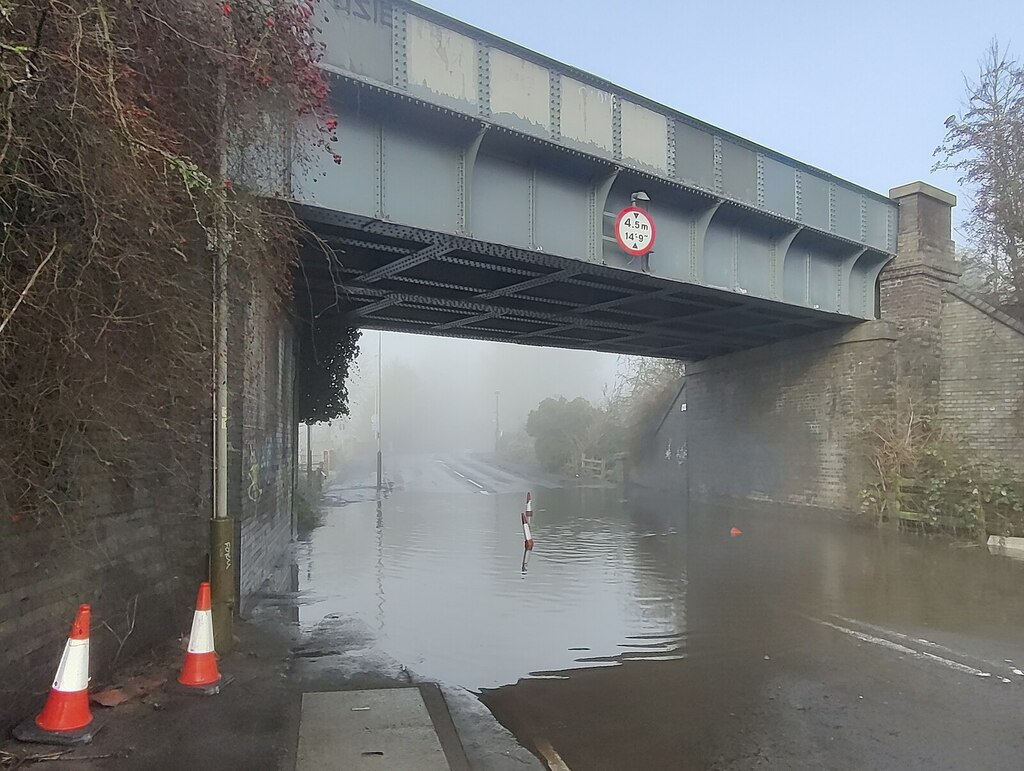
[(634, 230)]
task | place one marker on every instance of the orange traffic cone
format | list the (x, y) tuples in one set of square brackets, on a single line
[(735, 532), (529, 505), (66, 717), (200, 668), (527, 535)]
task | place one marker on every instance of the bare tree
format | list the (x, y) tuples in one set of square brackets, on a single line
[(985, 144)]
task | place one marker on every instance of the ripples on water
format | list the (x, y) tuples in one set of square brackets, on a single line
[(441, 579)]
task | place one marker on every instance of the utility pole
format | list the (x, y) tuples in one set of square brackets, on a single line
[(497, 420), (380, 456)]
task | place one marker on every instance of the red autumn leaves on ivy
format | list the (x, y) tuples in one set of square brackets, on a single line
[(276, 49)]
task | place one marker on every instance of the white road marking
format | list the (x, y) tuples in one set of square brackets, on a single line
[(894, 646), (949, 651), (463, 476), (955, 665), (894, 633), (863, 637)]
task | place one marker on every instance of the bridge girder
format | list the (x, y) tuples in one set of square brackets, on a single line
[(446, 173), (481, 290), (479, 182)]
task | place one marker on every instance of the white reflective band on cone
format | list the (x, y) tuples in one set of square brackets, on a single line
[(201, 638), (526, 532), (73, 673)]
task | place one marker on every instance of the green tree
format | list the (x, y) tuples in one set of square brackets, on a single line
[(985, 144), (562, 430)]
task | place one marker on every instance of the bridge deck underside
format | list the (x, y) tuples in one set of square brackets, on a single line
[(385, 276)]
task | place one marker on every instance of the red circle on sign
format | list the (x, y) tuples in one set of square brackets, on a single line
[(647, 242)]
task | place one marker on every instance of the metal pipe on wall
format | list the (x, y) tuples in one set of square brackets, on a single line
[(222, 527)]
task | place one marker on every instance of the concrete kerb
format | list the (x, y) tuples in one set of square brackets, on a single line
[(1006, 543), (405, 726)]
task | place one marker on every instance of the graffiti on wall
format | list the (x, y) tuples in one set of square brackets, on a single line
[(263, 463)]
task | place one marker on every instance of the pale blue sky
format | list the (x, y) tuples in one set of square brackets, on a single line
[(859, 88)]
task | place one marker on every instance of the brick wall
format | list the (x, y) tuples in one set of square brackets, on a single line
[(913, 300), (782, 423), (135, 548), (982, 377), (263, 439)]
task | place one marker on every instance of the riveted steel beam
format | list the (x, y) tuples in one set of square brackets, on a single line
[(473, 308), (368, 310), (532, 283), (698, 235), (455, 293), (778, 250), (598, 201), (467, 161), (845, 271), (336, 241), (544, 332), (471, 320), (623, 300), (416, 258)]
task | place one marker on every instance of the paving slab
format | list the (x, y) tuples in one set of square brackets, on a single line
[(388, 728)]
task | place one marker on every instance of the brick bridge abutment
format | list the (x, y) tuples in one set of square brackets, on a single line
[(788, 423)]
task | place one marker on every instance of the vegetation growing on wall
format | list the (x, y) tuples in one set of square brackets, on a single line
[(645, 391), (926, 476), (327, 348), (114, 199)]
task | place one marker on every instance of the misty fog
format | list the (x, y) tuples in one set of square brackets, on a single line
[(438, 394)]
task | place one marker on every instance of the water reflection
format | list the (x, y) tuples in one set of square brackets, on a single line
[(632, 618), (445, 601)]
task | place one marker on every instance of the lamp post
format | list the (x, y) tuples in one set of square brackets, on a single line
[(497, 420), (380, 456)]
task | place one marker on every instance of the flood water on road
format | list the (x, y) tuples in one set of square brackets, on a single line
[(643, 636)]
